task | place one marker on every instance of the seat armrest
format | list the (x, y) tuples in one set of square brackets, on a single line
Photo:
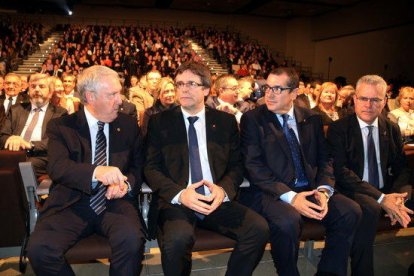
[(30, 184)]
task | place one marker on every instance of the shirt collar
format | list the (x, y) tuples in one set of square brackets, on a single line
[(201, 114), (92, 121), (43, 108), (363, 124), (291, 113)]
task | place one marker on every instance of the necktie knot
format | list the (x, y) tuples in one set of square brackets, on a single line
[(192, 119), (370, 128), (37, 109), (10, 98), (100, 125), (285, 118)]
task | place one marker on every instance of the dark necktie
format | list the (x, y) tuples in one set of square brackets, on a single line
[(29, 131), (98, 201), (194, 155), (373, 175), (294, 146), (9, 104)]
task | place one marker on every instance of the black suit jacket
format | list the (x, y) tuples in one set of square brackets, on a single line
[(16, 120), (345, 140), (21, 98), (70, 158), (167, 165), (267, 156)]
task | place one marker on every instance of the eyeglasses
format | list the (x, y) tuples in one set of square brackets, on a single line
[(234, 88), (190, 84), (275, 90), (371, 100)]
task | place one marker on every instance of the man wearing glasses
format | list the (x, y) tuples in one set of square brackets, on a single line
[(370, 167), (291, 177), (194, 168), (227, 99)]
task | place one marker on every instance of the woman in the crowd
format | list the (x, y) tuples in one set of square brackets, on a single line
[(166, 100), (58, 97), (326, 104), (404, 114)]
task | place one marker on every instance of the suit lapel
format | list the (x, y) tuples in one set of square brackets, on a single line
[(211, 132), (115, 135), (23, 116), (48, 116), (383, 142), (357, 143), (276, 128), (84, 136)]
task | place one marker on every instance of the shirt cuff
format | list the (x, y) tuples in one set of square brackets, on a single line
[(175, 199), (94, 180), (287, 197), (329, 189), (381, 198)]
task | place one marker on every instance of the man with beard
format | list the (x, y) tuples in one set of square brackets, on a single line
[(25, 126)]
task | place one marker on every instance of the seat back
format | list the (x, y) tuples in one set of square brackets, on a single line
[(13, 202)]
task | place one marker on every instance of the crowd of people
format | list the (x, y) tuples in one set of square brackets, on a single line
[(316, 151), (17, 41)]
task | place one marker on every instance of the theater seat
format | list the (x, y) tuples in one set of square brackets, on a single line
[(13, 205)]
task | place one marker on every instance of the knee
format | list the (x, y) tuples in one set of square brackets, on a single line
[(178, 241), (130, 240), (259, 229), (287, 226), (38, 251)]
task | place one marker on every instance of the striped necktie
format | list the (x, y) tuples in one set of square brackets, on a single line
[(98, 201)]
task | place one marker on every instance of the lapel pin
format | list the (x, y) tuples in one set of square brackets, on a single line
[(118, 129)]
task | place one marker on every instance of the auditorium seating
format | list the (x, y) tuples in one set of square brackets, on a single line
[(97, 247)]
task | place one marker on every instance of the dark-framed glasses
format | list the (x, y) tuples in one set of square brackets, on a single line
[(274, 90), (189, 84), (371, 100)]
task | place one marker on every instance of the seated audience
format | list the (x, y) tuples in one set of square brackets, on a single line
[(326, 104), (144, 99), (25, 126), (370, 168), (227, 99), (403, 115), (166, 100)]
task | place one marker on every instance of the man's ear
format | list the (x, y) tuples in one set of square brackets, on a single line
[(206, 91), (90, 96)]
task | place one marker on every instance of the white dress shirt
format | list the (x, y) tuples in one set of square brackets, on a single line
[(375, 135), (93, 130), (6, 101), (200, 128)]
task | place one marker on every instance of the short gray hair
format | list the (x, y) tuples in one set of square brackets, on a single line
[(375, 80), (90, 79)]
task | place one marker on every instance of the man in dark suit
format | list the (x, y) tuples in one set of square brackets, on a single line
[(195, 181), (11, 96), (370, 167), (25, 125), (95, 163), (291, 177)]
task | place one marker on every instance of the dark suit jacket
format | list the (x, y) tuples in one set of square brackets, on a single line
[(16, 120), (167, 165), (21, 98), (70, 157), (345, 140), (267, 156)]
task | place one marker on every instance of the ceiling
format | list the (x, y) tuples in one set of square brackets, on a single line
[(265, 8)]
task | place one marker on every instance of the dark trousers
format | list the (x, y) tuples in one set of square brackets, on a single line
[(56, 233), (285, 224), (176, 237)]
